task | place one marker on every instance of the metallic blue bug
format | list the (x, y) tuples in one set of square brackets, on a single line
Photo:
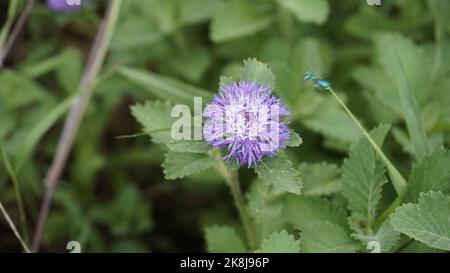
[(318, 82)]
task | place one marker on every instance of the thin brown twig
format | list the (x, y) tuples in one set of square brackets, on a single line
[(73, 120), (15, 31), (13, 228)]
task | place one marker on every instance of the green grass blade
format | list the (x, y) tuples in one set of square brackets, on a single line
[(13, 4), (164, 87), (39, 130), (411, 112), (17, 192)]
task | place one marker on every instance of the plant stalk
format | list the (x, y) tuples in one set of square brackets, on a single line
[(4, 50), (13, 228), (397, 179), (231, 178), (17, 192), (75, 116)]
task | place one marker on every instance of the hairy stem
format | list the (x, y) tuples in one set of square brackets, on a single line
[(231, 178), (75, 116), (16, 30), (397, 179), (13, 228)]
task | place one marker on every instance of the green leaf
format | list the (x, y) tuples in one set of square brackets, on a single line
[(197, 11), (265, 212), (189, 146), (164, 87), (432, 173), (324, 119), (320, 178), (238, 18), (278, 172), (225, 81), (155, 118), (223, 239), (325, 237), (386, 236), (128, 34), (192, 64), (404, 62), (178, 165), (70, 70), (307, 11), (428, 221), (279, 242), (363, 176), (299, 210), (255, 71), (311, 54), (32, 138), (294, 140)]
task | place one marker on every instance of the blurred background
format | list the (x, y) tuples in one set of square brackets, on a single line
[(113, 196)]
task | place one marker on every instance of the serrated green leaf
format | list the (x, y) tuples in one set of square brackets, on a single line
[(428, 221), (225, 81), (255, 71), (301, 210), (307, 11), (279, 242), (238, 18), (178, 165), (154, 116), (223, 239), (386, 237), (320, 178), (363, 176), (325, 237), (432, 173), (278, 172), (189, 146)]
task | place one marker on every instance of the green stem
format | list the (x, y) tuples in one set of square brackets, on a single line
[(231, 178), (21, 207), (397, 179), (383, 216)]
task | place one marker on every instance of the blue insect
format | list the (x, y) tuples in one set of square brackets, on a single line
[(318, 82)]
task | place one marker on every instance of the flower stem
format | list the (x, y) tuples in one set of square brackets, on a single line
[(397, 179), (231, 178), (75, 116)]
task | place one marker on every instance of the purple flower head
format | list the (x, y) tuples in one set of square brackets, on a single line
[(245, 118), (64, 5)]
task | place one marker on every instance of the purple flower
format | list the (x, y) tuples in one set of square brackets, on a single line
[(245, 118), (64, 5)]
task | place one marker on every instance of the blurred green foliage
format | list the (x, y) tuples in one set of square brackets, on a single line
[(114, 196)]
